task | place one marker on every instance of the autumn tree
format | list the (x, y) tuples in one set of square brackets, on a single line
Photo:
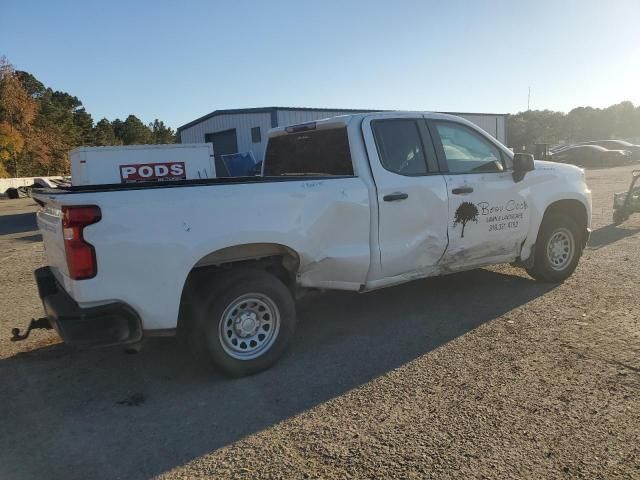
[(34, 87), (39, 125), (17, 113), (11, 145)]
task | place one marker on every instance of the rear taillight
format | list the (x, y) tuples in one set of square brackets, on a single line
[(81, 256)]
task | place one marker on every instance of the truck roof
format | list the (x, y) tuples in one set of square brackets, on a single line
[(343, 120)]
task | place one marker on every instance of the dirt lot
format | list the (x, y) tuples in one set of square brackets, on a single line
[(484, 374)]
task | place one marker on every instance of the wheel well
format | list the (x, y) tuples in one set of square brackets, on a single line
[(574, 209), (276, 259)]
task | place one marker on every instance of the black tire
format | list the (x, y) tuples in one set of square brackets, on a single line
[(543, 270), (213, 298), (12, 193)]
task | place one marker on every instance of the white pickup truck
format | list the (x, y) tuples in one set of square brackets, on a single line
[(355, 202)]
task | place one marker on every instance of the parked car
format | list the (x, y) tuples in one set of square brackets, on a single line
[(592, 156), (356, 202), (617, 145), (559, 148)]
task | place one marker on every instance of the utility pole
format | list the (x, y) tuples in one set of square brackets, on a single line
[(529, 100)]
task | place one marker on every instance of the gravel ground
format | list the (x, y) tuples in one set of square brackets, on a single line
[(484, 374)]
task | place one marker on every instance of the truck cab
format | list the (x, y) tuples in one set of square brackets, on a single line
[(445, 196)]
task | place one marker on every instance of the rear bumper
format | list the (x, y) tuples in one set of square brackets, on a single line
[(111, 324)]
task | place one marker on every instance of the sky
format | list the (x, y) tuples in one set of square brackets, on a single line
[(178, 60)]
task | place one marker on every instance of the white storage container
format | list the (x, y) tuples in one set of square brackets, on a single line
[(141, 163)]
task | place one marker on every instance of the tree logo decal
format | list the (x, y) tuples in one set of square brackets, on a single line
[(466, 212)]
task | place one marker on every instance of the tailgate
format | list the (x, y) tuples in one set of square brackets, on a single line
[(49, 219)]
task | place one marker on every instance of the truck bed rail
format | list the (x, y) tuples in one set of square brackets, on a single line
[(117, 187)]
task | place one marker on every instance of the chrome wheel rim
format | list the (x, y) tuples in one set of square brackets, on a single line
[(249, 326), (560, 249)]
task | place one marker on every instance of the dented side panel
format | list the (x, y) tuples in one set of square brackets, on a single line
[(412, 232), (148, 240), (490, 221)]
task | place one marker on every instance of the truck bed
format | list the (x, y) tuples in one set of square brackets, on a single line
[(155, 230)]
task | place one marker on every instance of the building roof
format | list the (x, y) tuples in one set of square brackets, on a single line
[(273, 110)]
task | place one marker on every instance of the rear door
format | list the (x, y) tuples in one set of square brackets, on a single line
[(488, 213), (412, 195)]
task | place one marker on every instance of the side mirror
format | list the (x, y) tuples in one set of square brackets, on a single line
[(522, 163)]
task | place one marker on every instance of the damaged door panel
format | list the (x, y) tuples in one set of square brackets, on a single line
[(488, 212), (411, 194)]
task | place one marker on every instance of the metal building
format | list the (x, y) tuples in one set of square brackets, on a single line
[(245, 129)]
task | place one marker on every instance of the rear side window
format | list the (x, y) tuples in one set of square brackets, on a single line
[(312, 152), (400, 147)]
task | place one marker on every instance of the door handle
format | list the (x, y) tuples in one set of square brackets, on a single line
[(461, 190), (392, 197)]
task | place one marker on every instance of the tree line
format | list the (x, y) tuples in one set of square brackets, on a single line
[(620, 121), (39, 125)]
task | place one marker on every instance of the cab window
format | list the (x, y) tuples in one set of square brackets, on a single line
[(314, 153), (467, 151), (400, 146)]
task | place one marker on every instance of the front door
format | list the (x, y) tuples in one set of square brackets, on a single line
[(412, 195), (488, 214)]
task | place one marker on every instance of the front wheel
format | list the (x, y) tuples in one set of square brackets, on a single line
[(244, 322), (558, 249)]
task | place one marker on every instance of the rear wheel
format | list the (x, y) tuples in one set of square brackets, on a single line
[(244, 321), (558, 249)]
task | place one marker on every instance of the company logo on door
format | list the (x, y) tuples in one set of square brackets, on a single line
[(152, 172)]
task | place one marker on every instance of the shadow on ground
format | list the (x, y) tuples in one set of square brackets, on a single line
[(609, 234), (29, 238), (104, 414), (18, 223)]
